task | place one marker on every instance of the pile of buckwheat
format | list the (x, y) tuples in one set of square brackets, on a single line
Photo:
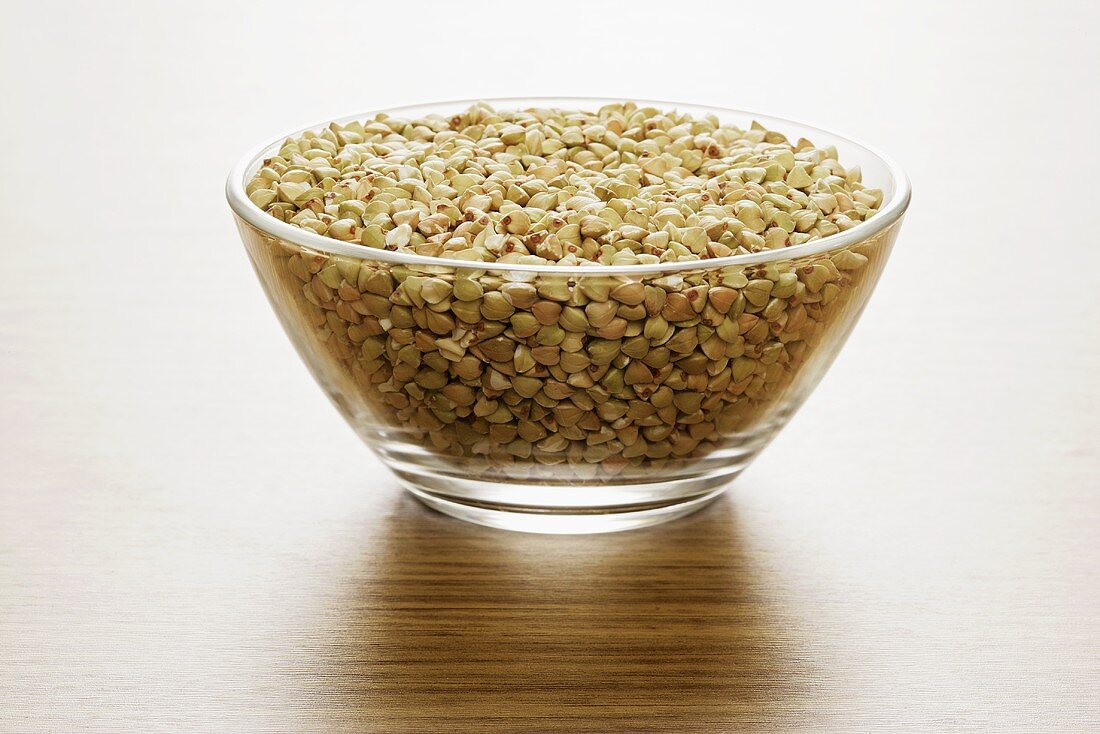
[(621, 186), (597, 372)]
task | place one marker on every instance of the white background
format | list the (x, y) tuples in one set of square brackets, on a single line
[(120, 122), (137, 351)]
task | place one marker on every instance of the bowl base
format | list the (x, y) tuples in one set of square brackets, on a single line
[(565, 520)]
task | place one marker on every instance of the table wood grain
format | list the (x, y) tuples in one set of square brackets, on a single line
[(192, 541)]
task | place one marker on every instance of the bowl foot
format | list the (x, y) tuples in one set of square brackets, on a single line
[(565, 520)]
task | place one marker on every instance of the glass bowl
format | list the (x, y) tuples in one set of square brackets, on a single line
[(570, 399)]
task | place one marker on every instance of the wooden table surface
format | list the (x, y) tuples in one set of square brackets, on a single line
[(191, 539)]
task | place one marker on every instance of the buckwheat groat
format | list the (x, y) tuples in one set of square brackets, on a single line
[(595, 372), (621, 186)]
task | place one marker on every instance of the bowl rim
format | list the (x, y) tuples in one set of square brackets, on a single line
[(888, 214)]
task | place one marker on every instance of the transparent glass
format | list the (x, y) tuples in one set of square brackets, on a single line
[(584, 399)]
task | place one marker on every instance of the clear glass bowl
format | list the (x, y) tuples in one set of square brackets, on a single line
[(572, 417)]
